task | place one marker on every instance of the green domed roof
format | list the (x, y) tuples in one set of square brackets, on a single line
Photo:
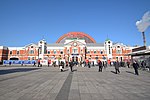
[(107, 39)]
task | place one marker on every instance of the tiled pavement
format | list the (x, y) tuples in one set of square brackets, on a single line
[(48, 83)]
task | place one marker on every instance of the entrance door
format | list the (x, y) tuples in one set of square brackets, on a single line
[(75, 59)]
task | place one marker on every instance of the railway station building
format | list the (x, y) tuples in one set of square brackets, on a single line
[(76, 46)]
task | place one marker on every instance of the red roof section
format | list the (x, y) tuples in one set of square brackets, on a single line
[(88, 39)]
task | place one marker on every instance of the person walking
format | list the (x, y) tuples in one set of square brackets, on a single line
[(117, 65), (61, 66), (135, 66), (66, 63), (89, 64), (86, 62), (34, 64), (71, 65), (128, 64), (104, 64), (9, 62), (38, 62), (49, 62), (100, 66)]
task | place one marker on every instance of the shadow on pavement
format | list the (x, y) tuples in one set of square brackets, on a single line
[(8, 71), (130, 72), (113, 72), (69, 69), (74, 70), (65, 70)]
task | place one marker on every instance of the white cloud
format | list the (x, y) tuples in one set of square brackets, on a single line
[(144, 23)]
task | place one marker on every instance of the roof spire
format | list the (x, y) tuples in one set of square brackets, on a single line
[(43, 37), (107, 39), (107, 36)]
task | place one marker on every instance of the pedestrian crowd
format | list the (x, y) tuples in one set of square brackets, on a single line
[(101, 65)]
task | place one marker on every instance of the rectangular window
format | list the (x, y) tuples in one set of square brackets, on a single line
[(118, 51), (54, 51), (109, 50), (18, 52), (10, 52), (75, 51), (121, 58), (40, 50), (31, 52), (28, 58), (81, 52), (32, 58), (48, 52), (68, 51), (94, 51), (45, 49), (117, 58), (96, 57)]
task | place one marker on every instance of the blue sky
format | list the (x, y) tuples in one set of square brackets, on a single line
[(28, 21)]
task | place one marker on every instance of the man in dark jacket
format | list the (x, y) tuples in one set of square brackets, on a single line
[(135, 66), (71, 65), (117, 65)]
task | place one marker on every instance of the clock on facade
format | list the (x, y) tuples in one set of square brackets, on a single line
[(75, 44)]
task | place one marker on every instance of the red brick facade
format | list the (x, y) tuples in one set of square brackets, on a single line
[(73, 49)]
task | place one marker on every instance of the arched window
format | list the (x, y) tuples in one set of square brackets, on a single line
[(48, 52), (31, 52), (54, 51), (18, 52), (10, 52), (61, 52)]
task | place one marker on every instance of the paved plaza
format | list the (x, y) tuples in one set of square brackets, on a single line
[(48, 83)]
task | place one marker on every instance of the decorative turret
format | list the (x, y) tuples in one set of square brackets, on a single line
[(108, 48), (42, 46)]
